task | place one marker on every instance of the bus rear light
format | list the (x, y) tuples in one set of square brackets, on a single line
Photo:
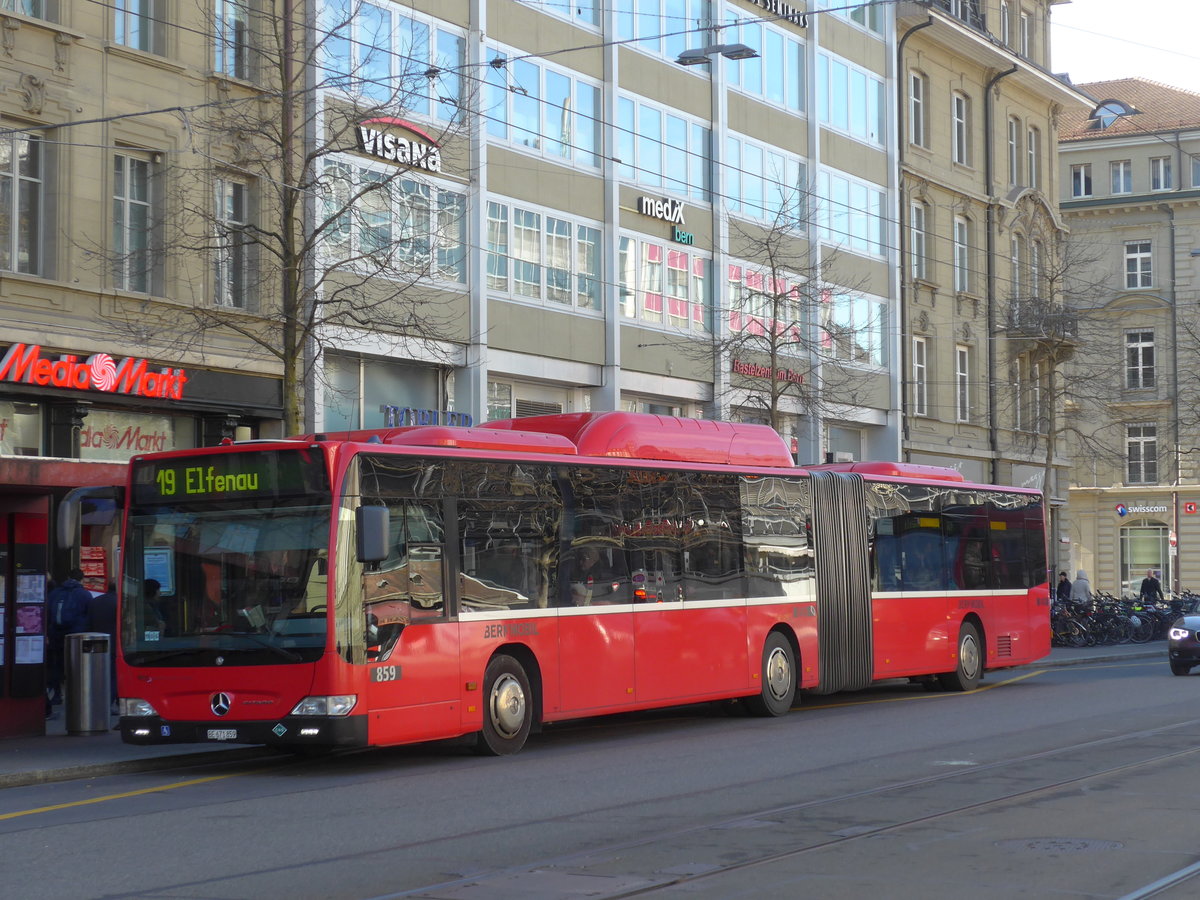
[(337, 705), (132, 706)]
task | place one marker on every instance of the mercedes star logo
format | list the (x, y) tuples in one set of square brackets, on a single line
[(221, 704)]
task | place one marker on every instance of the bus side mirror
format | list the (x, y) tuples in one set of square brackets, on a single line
[(371, 533), (86, 506)]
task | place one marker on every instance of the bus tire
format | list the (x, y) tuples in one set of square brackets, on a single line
[(969, 673), (778, 678), (507, 708)]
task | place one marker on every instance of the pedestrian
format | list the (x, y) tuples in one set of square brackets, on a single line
[(1081, 590), (68, 615), (1063, 592), (102, 617), (1151, 590)]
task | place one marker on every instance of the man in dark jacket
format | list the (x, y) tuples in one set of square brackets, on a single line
[(102, 616), (1151, 590), (68, 615), (1063, 591)]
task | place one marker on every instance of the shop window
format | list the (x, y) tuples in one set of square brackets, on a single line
[(20, 429)]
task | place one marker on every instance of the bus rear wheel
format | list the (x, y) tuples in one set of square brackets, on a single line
[(778, 678), (507, 709), (970, 662)]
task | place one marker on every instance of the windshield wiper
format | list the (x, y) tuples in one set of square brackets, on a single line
[(267, 645)]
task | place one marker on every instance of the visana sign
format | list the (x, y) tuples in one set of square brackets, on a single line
[(423, 152), (23, 363)]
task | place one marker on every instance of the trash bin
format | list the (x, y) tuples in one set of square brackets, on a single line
[(87, 686)]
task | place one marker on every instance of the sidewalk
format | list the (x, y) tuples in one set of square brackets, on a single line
[(58, 756)]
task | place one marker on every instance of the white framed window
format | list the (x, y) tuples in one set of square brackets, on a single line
[(1014, 151), (918, 90), (1139, 360), (541, 254), (777, 75), (660, 28), (962, 254), (659, 148), (1017, 261), (1139, 271), (962, 383), (1121, 172), (1005, 24), (763, 182), (1141, 451), (139, 24), (960, 130), (665, 284), (918, 223), (34, 8), (760, 305), (399, 61), (133, 223), (1161, 176), (853, 328), (541, 108), (868, 16), (1196, 170), (22, 192), (1026, 25), (1028, 399), (231, 262), (231, 38), (388, 223), (1033, 155), (920, 376), (580, 12), (1035, 269), (851, 213), (1081, 180), (850, 99)]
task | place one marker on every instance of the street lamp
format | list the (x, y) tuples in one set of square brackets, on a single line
[(704, 54)]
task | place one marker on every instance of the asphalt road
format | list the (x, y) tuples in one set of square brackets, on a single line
[(1074, 782)]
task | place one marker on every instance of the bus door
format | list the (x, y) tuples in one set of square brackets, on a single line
[(412, 650)]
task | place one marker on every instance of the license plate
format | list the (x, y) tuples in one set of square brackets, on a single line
[(222, 734)]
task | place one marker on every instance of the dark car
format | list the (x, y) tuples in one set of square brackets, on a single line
[(1183, 644)]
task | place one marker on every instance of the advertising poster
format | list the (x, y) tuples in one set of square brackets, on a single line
[(29, 649), (31, 588), (31, 619)]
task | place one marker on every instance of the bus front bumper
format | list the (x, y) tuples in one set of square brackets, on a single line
[(289, 732)]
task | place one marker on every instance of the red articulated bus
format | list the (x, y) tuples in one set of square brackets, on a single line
[(372, 588)]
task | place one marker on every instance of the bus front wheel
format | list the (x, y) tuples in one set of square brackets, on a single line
[(969, 673), (507, 710), (778, 678)]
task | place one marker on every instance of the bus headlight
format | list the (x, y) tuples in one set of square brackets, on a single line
[(132, 706), (337, 705)]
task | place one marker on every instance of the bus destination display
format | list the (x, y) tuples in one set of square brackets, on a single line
[(247, 475)]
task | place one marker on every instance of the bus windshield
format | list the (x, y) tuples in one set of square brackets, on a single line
[(211, 580)]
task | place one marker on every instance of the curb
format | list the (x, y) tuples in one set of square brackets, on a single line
[(134, 766)]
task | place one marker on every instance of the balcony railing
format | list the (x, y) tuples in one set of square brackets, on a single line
[(966, 11), (1041, 321)]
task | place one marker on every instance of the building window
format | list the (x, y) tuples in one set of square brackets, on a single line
[(854, 328), (960, 107), (549, 257), (1196, 171), (920, 376), (231, 267), (759, 305), (394, 225), (1014, 151), (395, 60), (659, 148), (962, 383), (1139, 360), (499, 401), (918, 89), (1005, 24), (1081, 180), (665, 285), (1121, 171), (777, 75), (586, 12), (137, 24), (655, 26), (1138, 271), (21, 193), (1142, 454), (869, 16), (851, 213), (232, 38), (1033, 151), (1029, 413), (33, 8), (1026, 25), (764, 183), (1161, 177), (132, 223), (850, 99), (962, 254), (918, 225), (1017, 261)]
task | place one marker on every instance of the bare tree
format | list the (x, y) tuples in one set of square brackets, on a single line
[(283, 239)]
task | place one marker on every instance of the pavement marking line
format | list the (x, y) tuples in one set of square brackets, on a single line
[(121, 796), (930, 696)]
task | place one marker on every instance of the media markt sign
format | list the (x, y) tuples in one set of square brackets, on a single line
[(395, 140), (24, 364)]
